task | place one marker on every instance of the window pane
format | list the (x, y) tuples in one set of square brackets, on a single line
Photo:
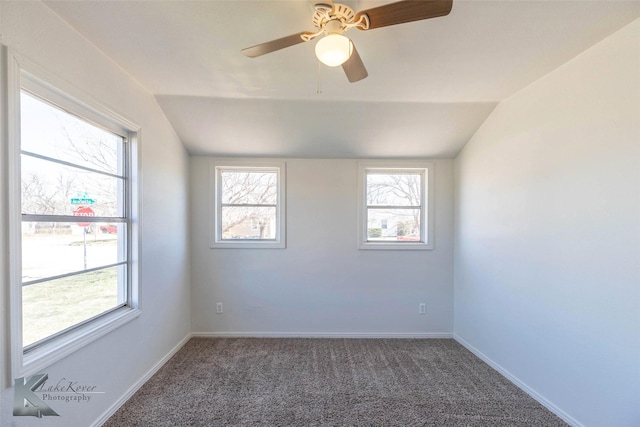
[(54, 133), (393, 189), (240, 222), (50, 188), (55, 248), (397, 225), (255, 188), (51, 307)]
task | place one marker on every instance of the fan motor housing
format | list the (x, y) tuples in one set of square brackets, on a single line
[(322, 15)]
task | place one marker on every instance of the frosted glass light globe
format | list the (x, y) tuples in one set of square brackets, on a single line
[(333, 49)]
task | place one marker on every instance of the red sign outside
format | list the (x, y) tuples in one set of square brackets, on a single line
[(84, 211)]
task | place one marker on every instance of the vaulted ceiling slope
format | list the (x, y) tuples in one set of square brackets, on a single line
[(431, 83)]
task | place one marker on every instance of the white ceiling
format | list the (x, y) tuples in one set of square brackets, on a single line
[(431, 83)]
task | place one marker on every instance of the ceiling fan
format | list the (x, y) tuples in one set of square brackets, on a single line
[(334, 19)]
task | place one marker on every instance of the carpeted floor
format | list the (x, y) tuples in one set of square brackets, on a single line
[(329, 382)]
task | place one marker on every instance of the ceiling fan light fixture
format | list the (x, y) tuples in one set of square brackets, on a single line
[(333, 19), (334, 49)]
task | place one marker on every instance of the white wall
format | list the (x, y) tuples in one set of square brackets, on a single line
[(116, 361), (321, 284), (547, 243)]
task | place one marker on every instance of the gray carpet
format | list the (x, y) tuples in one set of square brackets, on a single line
[(329, 382)]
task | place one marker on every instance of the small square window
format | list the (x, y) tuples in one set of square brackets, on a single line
[(395, 205), (248, 204)]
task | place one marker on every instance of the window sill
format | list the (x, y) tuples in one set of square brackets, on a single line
[(47, 354), (248, 244), (418, 246)]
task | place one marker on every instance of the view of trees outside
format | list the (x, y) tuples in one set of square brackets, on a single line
[(393, 206), (48, 187), (55, 147), (249, 200)]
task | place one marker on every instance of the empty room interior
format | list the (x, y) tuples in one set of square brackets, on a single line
[(223, 213)]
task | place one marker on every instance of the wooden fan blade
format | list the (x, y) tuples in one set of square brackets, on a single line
[(322, 3), (353, 67), (405, 11), (274, 45)]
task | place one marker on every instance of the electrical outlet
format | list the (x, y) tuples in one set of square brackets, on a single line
[(219, 308), (422, 308)]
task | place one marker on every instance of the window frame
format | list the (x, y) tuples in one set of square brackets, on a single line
[(216, 166), (24, 73), (427, 213)]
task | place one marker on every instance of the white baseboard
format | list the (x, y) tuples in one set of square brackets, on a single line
[(323, 334), (508, 375), (113, 408)]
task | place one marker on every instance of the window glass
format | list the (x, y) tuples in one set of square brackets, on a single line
[(393, 206), (248, 204), (55, 305), (56, 248), (51, 132), (395, 203), (51, 188), (401, 225), (74, 223), (393, 189), (240, 222), (245, 187)]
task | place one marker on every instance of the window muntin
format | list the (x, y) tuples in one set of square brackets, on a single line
[(248, 204), (394, 205), (71, 272)]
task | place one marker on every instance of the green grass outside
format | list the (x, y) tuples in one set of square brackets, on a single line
[(50, 307)]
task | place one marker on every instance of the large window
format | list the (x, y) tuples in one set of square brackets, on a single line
[(248, 204), (395, 205), (72, 224)]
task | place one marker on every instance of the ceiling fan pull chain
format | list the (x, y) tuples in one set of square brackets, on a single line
[(318, 89)]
